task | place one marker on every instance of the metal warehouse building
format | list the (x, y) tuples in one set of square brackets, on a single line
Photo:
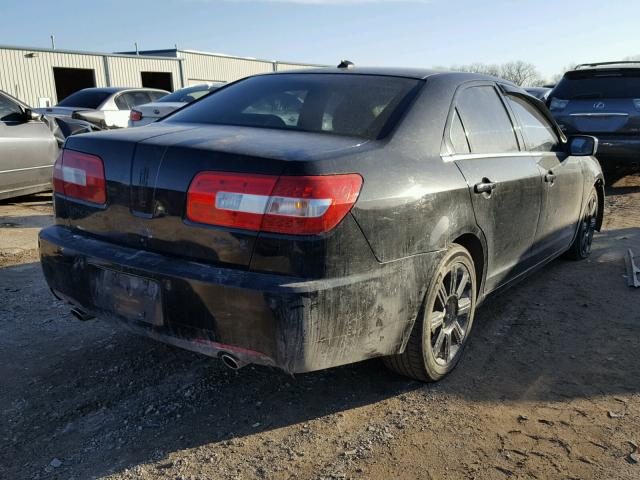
[(43, 77)]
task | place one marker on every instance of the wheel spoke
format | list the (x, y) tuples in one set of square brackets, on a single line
[(453, 278), (457, 329), (464, 306), (447, 347), (463, 283), (442, 295), (437, 347), (437, 319)]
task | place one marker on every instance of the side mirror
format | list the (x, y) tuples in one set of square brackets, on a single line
[(583, 146), (30, 115)]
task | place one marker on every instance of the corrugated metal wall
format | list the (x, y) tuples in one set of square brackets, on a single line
[(125, 71), (284, 67), (29, 78), (28, 73), (215, 68)]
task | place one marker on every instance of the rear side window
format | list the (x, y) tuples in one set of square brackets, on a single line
[(458, 136), (154, 96), (342, 104), (136, 98), (486, 121), (538, 132), (603, 83)]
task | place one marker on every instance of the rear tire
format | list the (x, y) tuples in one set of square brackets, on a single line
[(581, 246), (444, 322)]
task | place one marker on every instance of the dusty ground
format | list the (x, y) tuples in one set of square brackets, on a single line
[(549, 388)]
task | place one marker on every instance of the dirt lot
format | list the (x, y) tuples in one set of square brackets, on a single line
[(549, 388)]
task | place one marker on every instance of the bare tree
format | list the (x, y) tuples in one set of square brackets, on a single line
[(521, 73)]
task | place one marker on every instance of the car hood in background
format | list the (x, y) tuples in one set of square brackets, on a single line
[(61, 111)]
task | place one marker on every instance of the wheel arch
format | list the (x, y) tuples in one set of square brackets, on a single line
[(600, 191), (476, 247)]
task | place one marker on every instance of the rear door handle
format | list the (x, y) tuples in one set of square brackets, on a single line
[(549, 177), (485, 186)]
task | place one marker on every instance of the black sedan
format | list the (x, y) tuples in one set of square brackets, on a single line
[(312, 219)]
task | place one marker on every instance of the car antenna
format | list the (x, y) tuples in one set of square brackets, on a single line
[(346, 64)]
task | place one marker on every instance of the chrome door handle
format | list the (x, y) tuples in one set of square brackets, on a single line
[(485, 187)]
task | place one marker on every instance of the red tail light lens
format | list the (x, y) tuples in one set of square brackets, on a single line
[(292, 205), (81, 176), (135, 115)]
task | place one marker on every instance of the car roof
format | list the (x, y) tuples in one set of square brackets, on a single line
[(119, 89), (415, 73)]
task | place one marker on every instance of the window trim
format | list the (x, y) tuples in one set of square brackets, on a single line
[(447, 149), (558, 147)]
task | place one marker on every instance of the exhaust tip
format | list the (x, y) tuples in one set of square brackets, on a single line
[(232, 362), (81, 315)]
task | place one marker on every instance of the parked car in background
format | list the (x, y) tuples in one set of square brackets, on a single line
[(105, 107), (372, 225), (603, 99), (150, 112), (540, 93), (29, 146)]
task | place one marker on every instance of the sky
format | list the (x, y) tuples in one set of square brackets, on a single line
[(414, 33)]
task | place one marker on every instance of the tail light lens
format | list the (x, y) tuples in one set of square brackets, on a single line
[(293, 205), (135, 115), (556, 104), (81, 176)]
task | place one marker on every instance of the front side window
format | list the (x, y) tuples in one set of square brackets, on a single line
[(341, 104), (486, 121), (9, 110), (538, 133)]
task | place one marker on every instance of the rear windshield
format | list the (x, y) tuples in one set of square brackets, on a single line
[(189, 94), (85, 99), (605, 84), (342, 104)]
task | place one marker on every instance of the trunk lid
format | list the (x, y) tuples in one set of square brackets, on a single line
[(149, 171), (158, 109)]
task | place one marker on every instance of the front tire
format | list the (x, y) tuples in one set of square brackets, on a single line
[(581, 246), (444, 322)]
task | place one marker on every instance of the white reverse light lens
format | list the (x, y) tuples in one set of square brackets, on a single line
[(76, 176), (298, 207)]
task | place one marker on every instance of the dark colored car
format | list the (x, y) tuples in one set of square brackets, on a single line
[(603, 99), (313, 219), (29, 145)]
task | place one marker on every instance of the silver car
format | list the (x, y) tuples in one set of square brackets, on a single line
[(29, 144), (150, 112), (28, 149), (107, 107)]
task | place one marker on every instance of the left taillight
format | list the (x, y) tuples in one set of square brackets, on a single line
[(81, 176), (135, 115), (295, 205)]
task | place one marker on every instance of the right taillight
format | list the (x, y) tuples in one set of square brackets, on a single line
[(296, 205), (556, 104), (81, 176), (135, 115)]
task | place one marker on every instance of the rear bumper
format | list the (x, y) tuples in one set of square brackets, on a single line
[(295, 324), (619, 153)]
